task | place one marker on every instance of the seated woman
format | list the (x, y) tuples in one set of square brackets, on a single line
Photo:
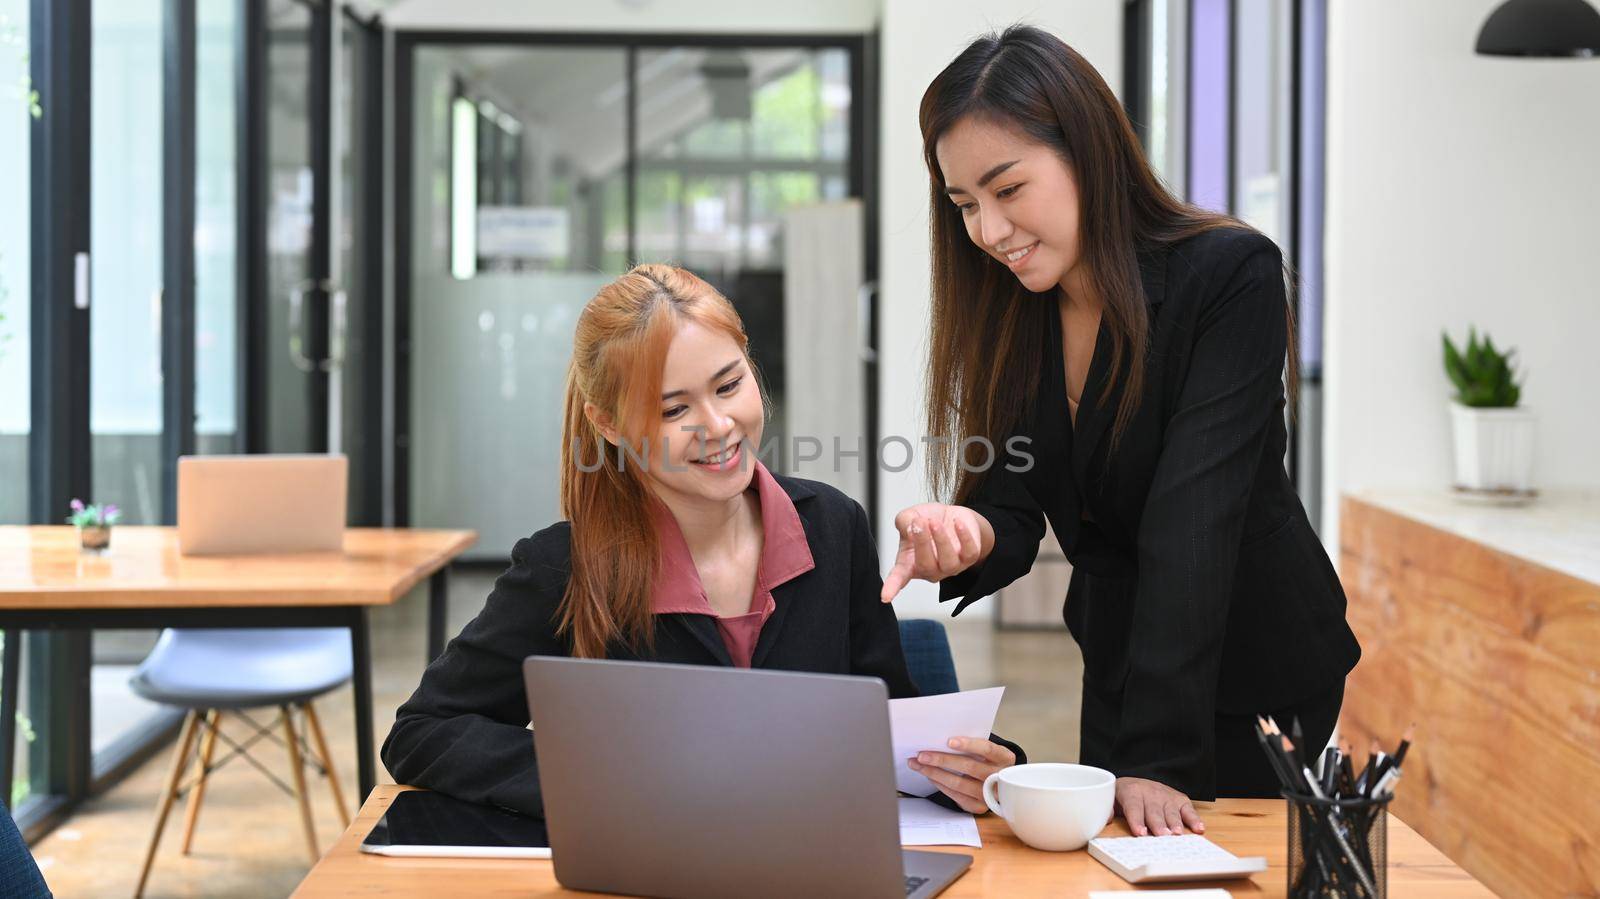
[(679, 547)]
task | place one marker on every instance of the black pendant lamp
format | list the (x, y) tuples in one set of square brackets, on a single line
[(1541, 28)]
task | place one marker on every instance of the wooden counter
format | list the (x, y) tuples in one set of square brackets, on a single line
[(1482, 626)]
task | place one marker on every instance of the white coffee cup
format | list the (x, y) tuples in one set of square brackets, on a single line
[(1052, 806)]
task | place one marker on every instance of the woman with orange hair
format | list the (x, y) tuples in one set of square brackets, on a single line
[(679, 546)]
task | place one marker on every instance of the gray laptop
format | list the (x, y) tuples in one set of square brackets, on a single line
[(691, 781)]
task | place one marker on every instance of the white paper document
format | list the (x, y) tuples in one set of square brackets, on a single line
[(928, 722), (924, 824)]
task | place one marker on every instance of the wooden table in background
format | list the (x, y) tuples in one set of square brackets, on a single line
[(1004, 867), (47, 583)]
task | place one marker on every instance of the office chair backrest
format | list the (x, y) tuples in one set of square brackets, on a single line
[(928, 658)]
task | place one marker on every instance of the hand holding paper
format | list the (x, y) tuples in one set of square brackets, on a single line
[(926, 724)]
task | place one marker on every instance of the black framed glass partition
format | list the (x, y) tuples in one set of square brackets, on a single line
[(1308, 146), (218, 34), (1155, 83), (16, 114), (1253, 146), (317, 200), (535, 168), (1276, 184), (358, 233), (728, 141), (129, 295), (169, 201), (46, 732), (18, 107), (498, 265), (294, 194)]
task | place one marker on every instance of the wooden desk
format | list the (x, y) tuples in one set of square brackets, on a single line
[(1004, 867), (47, 583)]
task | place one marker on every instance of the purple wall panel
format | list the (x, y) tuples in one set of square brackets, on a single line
[(1211, 35)]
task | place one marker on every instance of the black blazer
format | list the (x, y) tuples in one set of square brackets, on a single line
[(464, 730), (1198, 584)]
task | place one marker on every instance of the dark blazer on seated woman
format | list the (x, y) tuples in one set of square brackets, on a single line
[(464, 730)]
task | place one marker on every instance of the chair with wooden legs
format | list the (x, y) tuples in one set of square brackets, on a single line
[(216, 672)]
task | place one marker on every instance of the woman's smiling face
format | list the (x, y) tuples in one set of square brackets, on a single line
[(1018, 198), (711, 417)]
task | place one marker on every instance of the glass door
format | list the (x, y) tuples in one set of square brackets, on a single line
[(355, 338), (17, 110), (126, 208), (295, 358), (216, 232), (518, 160), (182, 193), (16, 120), (532, 174), (730, 140)]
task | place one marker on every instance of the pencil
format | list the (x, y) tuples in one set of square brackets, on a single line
[(1405, 744), (1272, 757)]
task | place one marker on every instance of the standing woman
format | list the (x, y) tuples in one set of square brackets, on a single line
[(1139, 344)]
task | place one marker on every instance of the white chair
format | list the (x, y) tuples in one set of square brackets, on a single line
[(210, 672)]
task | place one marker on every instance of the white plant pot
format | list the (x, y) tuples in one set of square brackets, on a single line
[(1494, 448)]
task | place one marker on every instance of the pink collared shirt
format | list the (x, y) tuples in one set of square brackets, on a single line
[(785, 555)]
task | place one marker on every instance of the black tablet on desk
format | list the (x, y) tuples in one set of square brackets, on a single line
[(420, 823)]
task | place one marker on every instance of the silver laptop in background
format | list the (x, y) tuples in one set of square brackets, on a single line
[(696, 781), (243, 505)]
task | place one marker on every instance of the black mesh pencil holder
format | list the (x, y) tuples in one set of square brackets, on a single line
[(1338, 847)]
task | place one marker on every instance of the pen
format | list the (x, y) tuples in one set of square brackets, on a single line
[(1347, 771), (1380, 765), (1366, 776), (1386, 784)]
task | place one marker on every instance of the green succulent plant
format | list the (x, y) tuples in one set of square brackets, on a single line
[(1481, 373)]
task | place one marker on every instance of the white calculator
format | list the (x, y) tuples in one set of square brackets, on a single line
[(1176, 857)]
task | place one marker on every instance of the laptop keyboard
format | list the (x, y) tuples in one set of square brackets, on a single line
[(912, 883)]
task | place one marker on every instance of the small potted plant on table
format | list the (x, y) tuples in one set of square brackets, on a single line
[(94, 524)]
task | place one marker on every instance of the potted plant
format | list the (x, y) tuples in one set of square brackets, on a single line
[(1493, 434), (94, 524)]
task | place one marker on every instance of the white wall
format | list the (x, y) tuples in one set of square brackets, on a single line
[(919, 38), (1461, 190), (632, 16)]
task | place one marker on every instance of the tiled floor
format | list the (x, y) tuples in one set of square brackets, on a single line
[(249, 843)]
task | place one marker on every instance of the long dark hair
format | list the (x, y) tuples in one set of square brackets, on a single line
[(986, 357)]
